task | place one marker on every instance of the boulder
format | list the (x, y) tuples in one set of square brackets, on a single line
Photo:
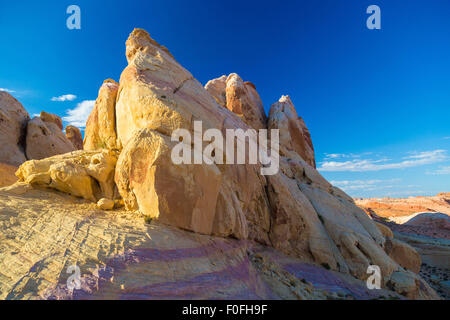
[(45, 139), (404, 254), (239, 97), (13, 120), (158, 94), (295, 210), (85, 174), (74, 136), (294, 135), (101, 125)]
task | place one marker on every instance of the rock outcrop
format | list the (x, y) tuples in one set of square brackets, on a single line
[(86, 174), (120, 256), (51, 118), (74, 136), (295, 210), (101, 125), (45, 139), (13, 120), (294, 135)]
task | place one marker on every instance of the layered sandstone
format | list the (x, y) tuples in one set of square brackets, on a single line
[(295, 210), (122, 257), (400, 207), (239, 97)]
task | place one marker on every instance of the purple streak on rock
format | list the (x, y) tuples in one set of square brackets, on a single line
[(329, 281)]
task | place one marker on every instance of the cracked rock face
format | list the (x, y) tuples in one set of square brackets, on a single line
[(296, 211), (74, 136)]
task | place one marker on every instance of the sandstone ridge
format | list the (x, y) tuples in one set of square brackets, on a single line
[(296, 211)]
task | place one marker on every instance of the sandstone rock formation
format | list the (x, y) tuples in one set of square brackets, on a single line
[(86, 174), (240, 98), (101, 124), (105, 204), (13, 120), (45, 139), (295, 210), (294, 135), (74, 136)]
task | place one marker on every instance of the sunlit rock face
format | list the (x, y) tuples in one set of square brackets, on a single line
[(100, 129), (295, 211)]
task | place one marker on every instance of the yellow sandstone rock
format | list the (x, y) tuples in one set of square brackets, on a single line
[(86, 174), (101, 125), (105, 204)]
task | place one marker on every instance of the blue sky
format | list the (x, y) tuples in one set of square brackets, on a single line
[(377, 102)]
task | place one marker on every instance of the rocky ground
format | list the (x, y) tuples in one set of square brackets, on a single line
[(121, 256), (177, 230)]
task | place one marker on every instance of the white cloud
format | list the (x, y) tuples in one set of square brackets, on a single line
[(78, 116), (7, 90), (365, 185), (65, 97), (344, 155), (440, 171), (362, 165)]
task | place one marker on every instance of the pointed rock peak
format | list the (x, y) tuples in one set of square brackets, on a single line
[(138, 40), (284, 105), (240, 97), (294, 135), (110, 82)]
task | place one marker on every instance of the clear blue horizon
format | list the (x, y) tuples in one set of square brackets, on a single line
[(377, 102)]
